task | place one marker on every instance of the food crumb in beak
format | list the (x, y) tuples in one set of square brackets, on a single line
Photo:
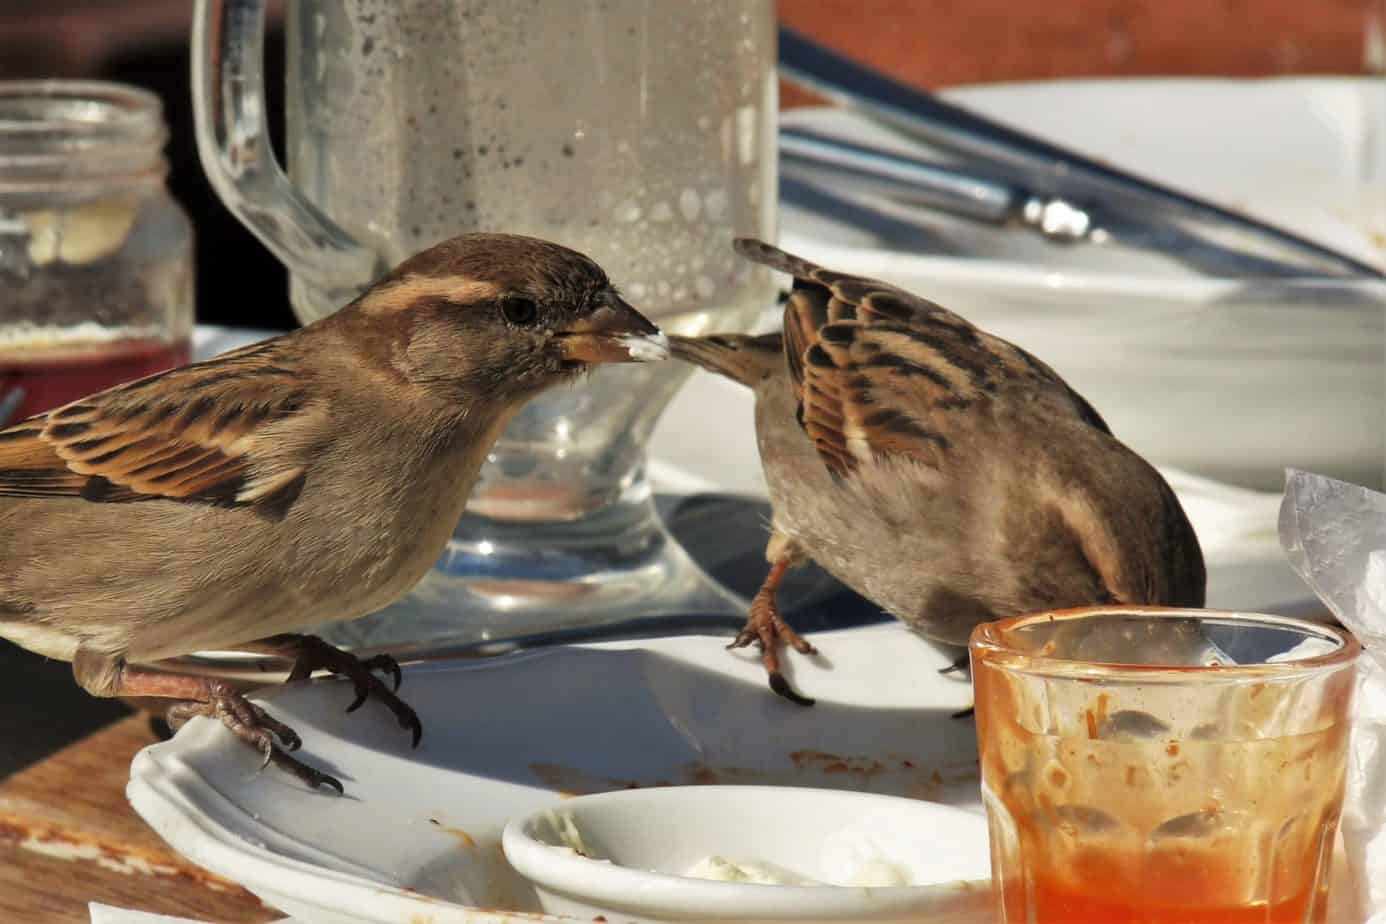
[(646, 348)]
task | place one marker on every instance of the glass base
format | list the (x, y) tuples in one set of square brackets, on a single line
[(664, 565)]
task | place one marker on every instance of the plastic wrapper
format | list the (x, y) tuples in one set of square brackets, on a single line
[(1335, 536)]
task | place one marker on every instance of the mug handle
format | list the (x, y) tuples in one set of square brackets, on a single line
[(228, 39)]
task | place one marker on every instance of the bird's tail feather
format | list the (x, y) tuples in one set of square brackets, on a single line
[(739, 357), (771, 256)]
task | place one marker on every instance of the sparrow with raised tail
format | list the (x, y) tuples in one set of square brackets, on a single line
[(941, 472), (312, 477)]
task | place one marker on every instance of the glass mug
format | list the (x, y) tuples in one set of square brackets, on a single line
[(642, 134), (1162, 766)]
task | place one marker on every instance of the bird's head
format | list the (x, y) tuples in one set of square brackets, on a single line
[(501, 315)]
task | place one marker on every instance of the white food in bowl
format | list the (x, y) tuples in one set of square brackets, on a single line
[(874, 873), (754, 854), (721, 869)]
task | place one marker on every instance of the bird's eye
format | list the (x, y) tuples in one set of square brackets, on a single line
[(519, 310)]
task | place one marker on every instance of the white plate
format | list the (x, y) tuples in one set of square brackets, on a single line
[(418, 833)]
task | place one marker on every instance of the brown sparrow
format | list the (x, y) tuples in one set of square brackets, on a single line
[(943, 473), (312, 477)]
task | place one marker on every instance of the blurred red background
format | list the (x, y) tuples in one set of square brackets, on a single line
[(929, 42)]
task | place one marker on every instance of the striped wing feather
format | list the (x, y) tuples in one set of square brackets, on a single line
[(877, 369), (203, 433)]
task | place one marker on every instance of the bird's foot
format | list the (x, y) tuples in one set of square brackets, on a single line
[(255, 727), (312, 654), (767, 629), (961, 664)]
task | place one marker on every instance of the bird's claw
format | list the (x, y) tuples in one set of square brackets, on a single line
[(273, 728), (767, 630), (781, 686), (386, 665), (253, 725), (744, 638), (315, 654), (313, 777), (962, 663), (368, 685)]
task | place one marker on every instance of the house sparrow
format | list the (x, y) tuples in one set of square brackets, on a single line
[(312, 477), (941, 472)]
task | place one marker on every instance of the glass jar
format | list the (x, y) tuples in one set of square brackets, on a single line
[(96, 266)]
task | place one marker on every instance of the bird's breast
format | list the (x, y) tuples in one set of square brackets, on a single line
[(369, 540)]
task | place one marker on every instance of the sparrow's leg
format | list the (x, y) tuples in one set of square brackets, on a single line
[(103, 675), (310, 653), (766, 626)]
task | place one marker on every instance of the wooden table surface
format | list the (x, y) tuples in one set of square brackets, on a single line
[(68, 837)]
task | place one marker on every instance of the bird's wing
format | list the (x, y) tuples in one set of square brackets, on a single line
[(1137, 540), (229, 432), (877, 370)]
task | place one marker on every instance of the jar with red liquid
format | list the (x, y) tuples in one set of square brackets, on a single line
[(96, 271)]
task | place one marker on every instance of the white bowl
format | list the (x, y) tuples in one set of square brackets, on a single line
[(637, 847)]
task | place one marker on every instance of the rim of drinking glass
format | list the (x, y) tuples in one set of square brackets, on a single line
[(987, 639)]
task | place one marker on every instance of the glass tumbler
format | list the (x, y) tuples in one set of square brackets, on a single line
[(640, 133), (96, 269), (1153, 766)]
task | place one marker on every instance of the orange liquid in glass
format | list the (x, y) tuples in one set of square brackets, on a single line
[(1145, 828), (1188, 889)]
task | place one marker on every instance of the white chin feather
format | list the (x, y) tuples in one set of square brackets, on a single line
[(646, 348)]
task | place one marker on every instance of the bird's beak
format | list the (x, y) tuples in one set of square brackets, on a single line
[(614, 333)]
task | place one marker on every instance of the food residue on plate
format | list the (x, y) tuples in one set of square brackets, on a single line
[(569, 837), (463, 837)]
